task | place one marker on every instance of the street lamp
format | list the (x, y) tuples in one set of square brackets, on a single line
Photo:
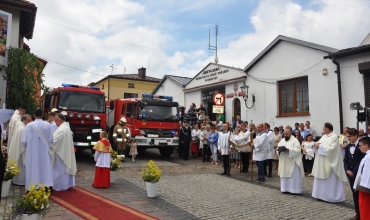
[(244, 89), (361, 116)]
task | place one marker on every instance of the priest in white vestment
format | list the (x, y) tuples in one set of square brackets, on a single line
[(261, 151), (328, 167), (13, 123), (224, 147), (36, 140), (64, 160), (290, 164), (17, 152)]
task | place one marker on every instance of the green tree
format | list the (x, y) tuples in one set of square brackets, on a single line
[(23, 75)]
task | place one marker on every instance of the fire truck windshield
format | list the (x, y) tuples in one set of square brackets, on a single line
[(81, 101), (158, 113)]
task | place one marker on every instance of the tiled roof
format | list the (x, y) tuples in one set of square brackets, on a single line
[(19, 2), (182, 81), (127, 76), (135, 76)]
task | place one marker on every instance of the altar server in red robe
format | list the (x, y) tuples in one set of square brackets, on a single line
[(102, 157)]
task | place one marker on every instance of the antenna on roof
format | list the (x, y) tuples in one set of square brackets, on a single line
[(113, 67), (209, 42)]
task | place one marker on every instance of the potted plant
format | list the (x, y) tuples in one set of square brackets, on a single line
[(151, 175), (34, 204), (115, 164), (11, 171)]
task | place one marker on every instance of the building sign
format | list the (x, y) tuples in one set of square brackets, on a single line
[(218, 99), (211, 74), (208, 94), (217, 109)]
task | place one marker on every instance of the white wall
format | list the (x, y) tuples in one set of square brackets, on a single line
[(170, 88), (289, 60), (193, 97)]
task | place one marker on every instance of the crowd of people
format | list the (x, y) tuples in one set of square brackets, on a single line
[(298, 152)]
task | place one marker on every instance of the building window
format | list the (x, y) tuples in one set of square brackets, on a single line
[(293, 97), (102, 86), (131, 85), (130, 95)]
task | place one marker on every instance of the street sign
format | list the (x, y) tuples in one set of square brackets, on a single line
[(218, 99), (217, 109)]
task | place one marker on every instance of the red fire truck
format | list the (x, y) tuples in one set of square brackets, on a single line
[(82, 104), (152, 120)]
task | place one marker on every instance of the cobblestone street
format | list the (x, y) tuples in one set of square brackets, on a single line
[(195, 190)]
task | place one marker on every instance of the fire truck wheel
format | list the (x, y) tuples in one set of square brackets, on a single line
[(166, 152)]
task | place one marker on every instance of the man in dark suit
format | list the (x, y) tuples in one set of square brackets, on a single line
[(352, 159), (185, 137), (237, 121)]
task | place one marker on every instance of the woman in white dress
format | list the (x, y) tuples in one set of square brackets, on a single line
[(236, 154), (277, 138), (306, 158)]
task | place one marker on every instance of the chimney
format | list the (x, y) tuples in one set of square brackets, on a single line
[(142, 72)]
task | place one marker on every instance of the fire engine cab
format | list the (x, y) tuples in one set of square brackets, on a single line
[(152, 120), (82, 104)]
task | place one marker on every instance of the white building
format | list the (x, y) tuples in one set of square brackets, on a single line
[(292, 81), (172, 86), (21, 17), (217, 78)]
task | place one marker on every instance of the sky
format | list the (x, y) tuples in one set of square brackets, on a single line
[(82, 39)]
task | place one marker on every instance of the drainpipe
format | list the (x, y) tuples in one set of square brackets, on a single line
[(339, 94)]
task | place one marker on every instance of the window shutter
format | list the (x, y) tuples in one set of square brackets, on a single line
[(367, 89)]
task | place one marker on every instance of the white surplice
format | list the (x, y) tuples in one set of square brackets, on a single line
[(38, 159), (13, 125), (17, 153), (328, 170), (64, 159), (364, 172), (261, 150), (223, 142), (290, 166)]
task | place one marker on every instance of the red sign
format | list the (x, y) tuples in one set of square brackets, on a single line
[(218, 99), (235, 87), (230, 95)]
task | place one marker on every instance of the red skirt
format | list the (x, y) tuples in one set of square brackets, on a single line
[(102, 177), (194, 147), (363, 203)]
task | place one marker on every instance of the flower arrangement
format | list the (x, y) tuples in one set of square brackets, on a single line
[(151, 173), (11, 170), (115, 161), (36, 201)]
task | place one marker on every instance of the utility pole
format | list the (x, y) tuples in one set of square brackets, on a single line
[(113, 67)]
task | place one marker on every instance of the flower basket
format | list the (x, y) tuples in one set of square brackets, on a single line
[(35, 201), (151, 175), (115, 161), (5, 187), (11, 170)]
